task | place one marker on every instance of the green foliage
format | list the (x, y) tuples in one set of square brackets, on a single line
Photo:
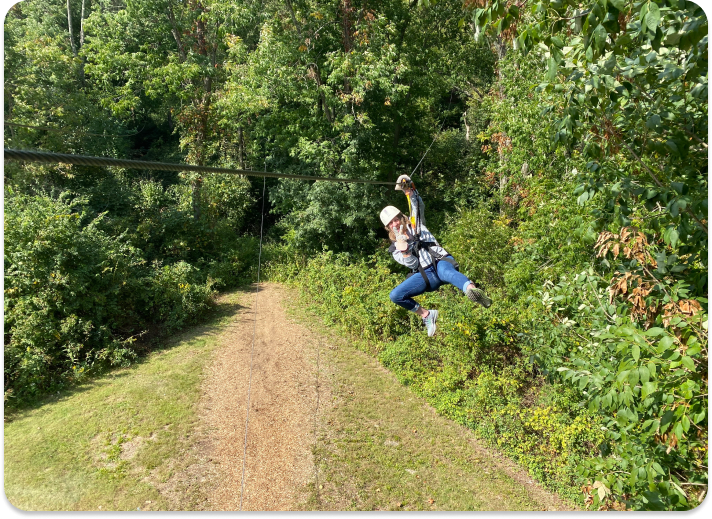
[(623, 89), (628, 83), (225, 200), (177, 295), (67, 287), (80, 287), (473, 371), (569, 179), (649, 384), (351, 92), (44, 103), (481, 244)]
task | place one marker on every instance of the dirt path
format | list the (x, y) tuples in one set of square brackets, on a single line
[(283, 401), (347, 424)]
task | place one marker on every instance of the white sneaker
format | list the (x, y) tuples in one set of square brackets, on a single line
[(430, 322)]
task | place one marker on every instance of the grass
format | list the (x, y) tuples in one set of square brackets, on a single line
[(380, 447), (118, 441)]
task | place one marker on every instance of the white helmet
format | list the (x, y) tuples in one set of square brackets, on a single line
[(388, 214), (403, 180)]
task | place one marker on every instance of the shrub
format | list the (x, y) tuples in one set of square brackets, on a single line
[(480, 244), (67, 293), (177, 296)]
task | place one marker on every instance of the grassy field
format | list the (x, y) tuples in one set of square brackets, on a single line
[(117, 442)]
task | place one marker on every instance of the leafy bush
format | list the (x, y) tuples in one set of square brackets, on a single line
[(78, 293), (648, 383), (473, 371), (481, 245), (67, 293), (177, 295)]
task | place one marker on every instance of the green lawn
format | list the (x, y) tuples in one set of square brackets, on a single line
[(112, 443)]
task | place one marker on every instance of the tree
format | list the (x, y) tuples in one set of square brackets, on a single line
[(350, 90), (628, 92)]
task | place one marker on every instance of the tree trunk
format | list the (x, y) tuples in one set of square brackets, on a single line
[(346, 10), (176, 33), (71, 30), (81, 27), (294, 18), (81, 43), (195, 188), (321, 101), (346, 21), (467, 127), (240, 148)]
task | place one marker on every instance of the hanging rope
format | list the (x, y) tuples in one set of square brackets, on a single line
[(84, 160), (252, 350)]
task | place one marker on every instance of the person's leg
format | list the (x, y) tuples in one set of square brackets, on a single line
[(448, 274), (403, 294)]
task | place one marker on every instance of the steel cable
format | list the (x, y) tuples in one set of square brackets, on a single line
[(85, 160)]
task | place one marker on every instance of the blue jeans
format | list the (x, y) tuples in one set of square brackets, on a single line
[(403, 294)]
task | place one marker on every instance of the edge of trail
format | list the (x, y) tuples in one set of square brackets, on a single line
[(331, 429)]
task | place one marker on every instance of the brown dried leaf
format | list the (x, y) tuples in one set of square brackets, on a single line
[(689, 306), (604, 242), (672, 443)]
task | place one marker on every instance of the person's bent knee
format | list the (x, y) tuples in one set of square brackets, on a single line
[(395, 296)]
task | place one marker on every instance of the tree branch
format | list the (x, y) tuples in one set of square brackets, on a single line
[(81, 27), (174, 31), (688, 132), (294, 18)]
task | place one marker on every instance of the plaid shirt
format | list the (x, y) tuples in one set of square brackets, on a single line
[(411, 261)]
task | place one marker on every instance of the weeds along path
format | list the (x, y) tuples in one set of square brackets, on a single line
[(330, 429)]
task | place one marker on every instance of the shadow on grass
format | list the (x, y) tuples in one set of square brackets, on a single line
[(157, 340)]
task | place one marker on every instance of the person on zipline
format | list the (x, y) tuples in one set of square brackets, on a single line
[(431, 266)]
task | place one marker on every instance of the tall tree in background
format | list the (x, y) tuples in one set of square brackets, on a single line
[(171, 54), (47, 102), (353, 90)]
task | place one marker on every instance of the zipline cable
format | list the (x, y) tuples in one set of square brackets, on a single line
[(252, 350), (63, 130), (85, 160)]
